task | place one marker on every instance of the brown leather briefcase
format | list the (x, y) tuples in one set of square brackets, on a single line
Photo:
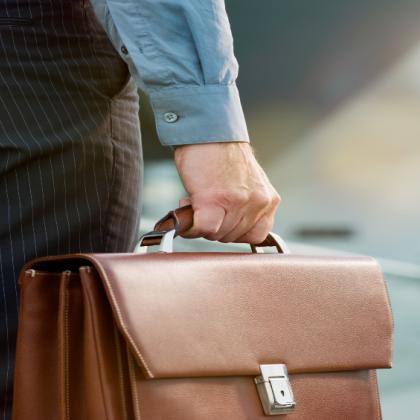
[(200, 336)]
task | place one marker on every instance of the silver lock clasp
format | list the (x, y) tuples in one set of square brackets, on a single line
[(274, 389)]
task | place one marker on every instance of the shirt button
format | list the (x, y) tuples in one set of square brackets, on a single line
[(170, 117), (124, 50)]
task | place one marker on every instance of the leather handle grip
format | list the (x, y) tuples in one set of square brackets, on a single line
[(182, 219)]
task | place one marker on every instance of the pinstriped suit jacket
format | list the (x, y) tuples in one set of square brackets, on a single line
[(70, 154)]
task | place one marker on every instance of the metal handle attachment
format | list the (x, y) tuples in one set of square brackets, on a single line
[(276, 241), (165, 238)]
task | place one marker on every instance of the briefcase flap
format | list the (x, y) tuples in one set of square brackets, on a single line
[(223, 314)]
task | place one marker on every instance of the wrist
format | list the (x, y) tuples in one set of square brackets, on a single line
[(224, 151)]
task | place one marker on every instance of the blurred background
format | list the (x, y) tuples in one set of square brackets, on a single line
[(331, 93)]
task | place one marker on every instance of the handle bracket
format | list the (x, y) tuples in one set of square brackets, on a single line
[(165, 238)]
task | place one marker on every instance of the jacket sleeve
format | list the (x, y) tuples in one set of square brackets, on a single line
[(180, 53)]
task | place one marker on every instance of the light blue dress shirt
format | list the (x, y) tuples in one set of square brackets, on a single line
[(180, 53)]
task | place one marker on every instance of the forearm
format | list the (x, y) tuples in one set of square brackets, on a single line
[(181, 54)]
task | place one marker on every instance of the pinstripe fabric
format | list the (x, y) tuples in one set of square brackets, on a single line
[(70, 154)]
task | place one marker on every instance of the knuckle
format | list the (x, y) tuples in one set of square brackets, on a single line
[(239, 197), (276, 200), (261, 199)]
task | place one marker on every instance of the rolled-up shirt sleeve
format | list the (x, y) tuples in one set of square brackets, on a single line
[(180, 53)]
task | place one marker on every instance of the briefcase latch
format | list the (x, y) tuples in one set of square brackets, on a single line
[(275, 390)]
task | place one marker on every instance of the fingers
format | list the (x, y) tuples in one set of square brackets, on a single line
[(259, 232), (257, 222), (230, 221), (207, 221), (247, 221)]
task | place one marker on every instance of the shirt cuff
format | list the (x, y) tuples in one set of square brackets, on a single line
[(198, 114)]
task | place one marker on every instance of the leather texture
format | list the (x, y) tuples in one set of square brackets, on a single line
[(181, 336)]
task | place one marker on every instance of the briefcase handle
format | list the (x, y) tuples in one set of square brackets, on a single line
[(180, 220)]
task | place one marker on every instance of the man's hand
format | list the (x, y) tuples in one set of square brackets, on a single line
[(232, 198)]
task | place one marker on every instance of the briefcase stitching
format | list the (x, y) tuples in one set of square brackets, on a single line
[(132, 375), (120, 371)]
